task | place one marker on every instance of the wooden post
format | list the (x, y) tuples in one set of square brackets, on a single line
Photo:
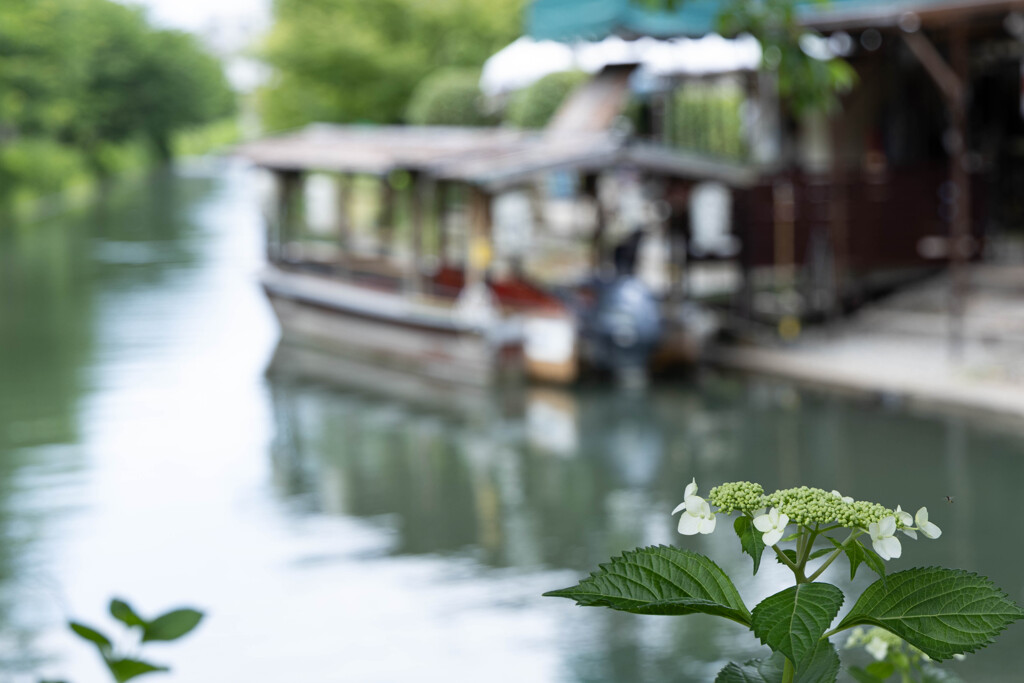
[(385, 217), (952, 80), (421, 188), (838, 219), (343, 217), (441, 190), (478, 247), (289, 211), (960, 226), (597, 239)]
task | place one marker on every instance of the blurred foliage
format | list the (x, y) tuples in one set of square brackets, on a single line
[(448, 97), (207, 138), (85, 85), (533, 106), (353, 60), (123, 665), (806, 83), (706, 118)]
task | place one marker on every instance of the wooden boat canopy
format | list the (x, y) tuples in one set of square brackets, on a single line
[(493, 159)]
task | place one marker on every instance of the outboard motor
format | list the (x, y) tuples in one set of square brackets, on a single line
[(623, 327)]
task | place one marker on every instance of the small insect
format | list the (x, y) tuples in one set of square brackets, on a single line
[(949, 499)]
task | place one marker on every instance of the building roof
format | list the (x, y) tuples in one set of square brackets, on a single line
[(572, 20), (492, 158)]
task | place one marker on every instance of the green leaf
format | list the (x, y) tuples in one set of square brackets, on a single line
[(873, 560), (768, 670), (788, 552), (793, 621), (660, 580), (940, 611), (822, 668), (123, 612), (820, 552), (172, 625), (863, 676), (750, 539), (882, 669), (127, 669), (92, 635)]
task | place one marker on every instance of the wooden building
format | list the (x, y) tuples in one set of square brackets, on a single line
[(922, 164)]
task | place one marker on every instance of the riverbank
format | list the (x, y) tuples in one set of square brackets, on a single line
[(899, 350)]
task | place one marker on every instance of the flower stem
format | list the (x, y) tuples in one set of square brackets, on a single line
[(789, 563), (788, 671), (836, 553)]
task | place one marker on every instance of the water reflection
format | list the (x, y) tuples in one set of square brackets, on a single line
[(325, 511), (541, 478)]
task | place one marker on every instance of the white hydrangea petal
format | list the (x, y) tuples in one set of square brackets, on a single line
[(782, 521), (878, 545), (892, 547), (904, 517), (930, 530), (681, 506), (887, 526), (877, 648), (707, 525), (689, 525), (763, 523), (922, 517), (910, 532), (691, 489), (772, 537)]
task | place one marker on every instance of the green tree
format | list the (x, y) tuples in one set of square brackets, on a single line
[(80, 79), (448, 97), (352, 60)]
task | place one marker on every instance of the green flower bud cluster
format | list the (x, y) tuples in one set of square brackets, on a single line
[(807, 506), (860, 513), (744, 496)]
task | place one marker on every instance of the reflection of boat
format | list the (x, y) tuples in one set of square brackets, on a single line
[(428, 260)]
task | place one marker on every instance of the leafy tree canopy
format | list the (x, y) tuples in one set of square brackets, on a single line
[(352, 60)]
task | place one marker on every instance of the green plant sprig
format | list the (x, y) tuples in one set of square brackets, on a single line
[(939, 612)]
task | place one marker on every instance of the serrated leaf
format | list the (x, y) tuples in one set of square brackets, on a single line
[(792, 621), (822, 668), (751, 540), (940, 611), (172, 625), (660, 580), (768, 670), (122, 611), (92, 635), (127, 669)]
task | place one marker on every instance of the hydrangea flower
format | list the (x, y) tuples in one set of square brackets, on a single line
[(772, 526), (877, 648), (697, 517), (905, 522), (924, 526), (883, 538)]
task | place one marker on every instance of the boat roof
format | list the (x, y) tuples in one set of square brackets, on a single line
[(491, 158)]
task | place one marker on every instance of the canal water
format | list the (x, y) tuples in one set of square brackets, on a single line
[(338, 523)]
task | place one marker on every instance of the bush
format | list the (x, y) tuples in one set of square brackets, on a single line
[(447, 97), (533, 106), (40, 165)]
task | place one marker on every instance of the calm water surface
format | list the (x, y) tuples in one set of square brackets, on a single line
[(340, 524)]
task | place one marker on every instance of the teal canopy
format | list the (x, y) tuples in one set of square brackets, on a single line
[(571, 20)]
